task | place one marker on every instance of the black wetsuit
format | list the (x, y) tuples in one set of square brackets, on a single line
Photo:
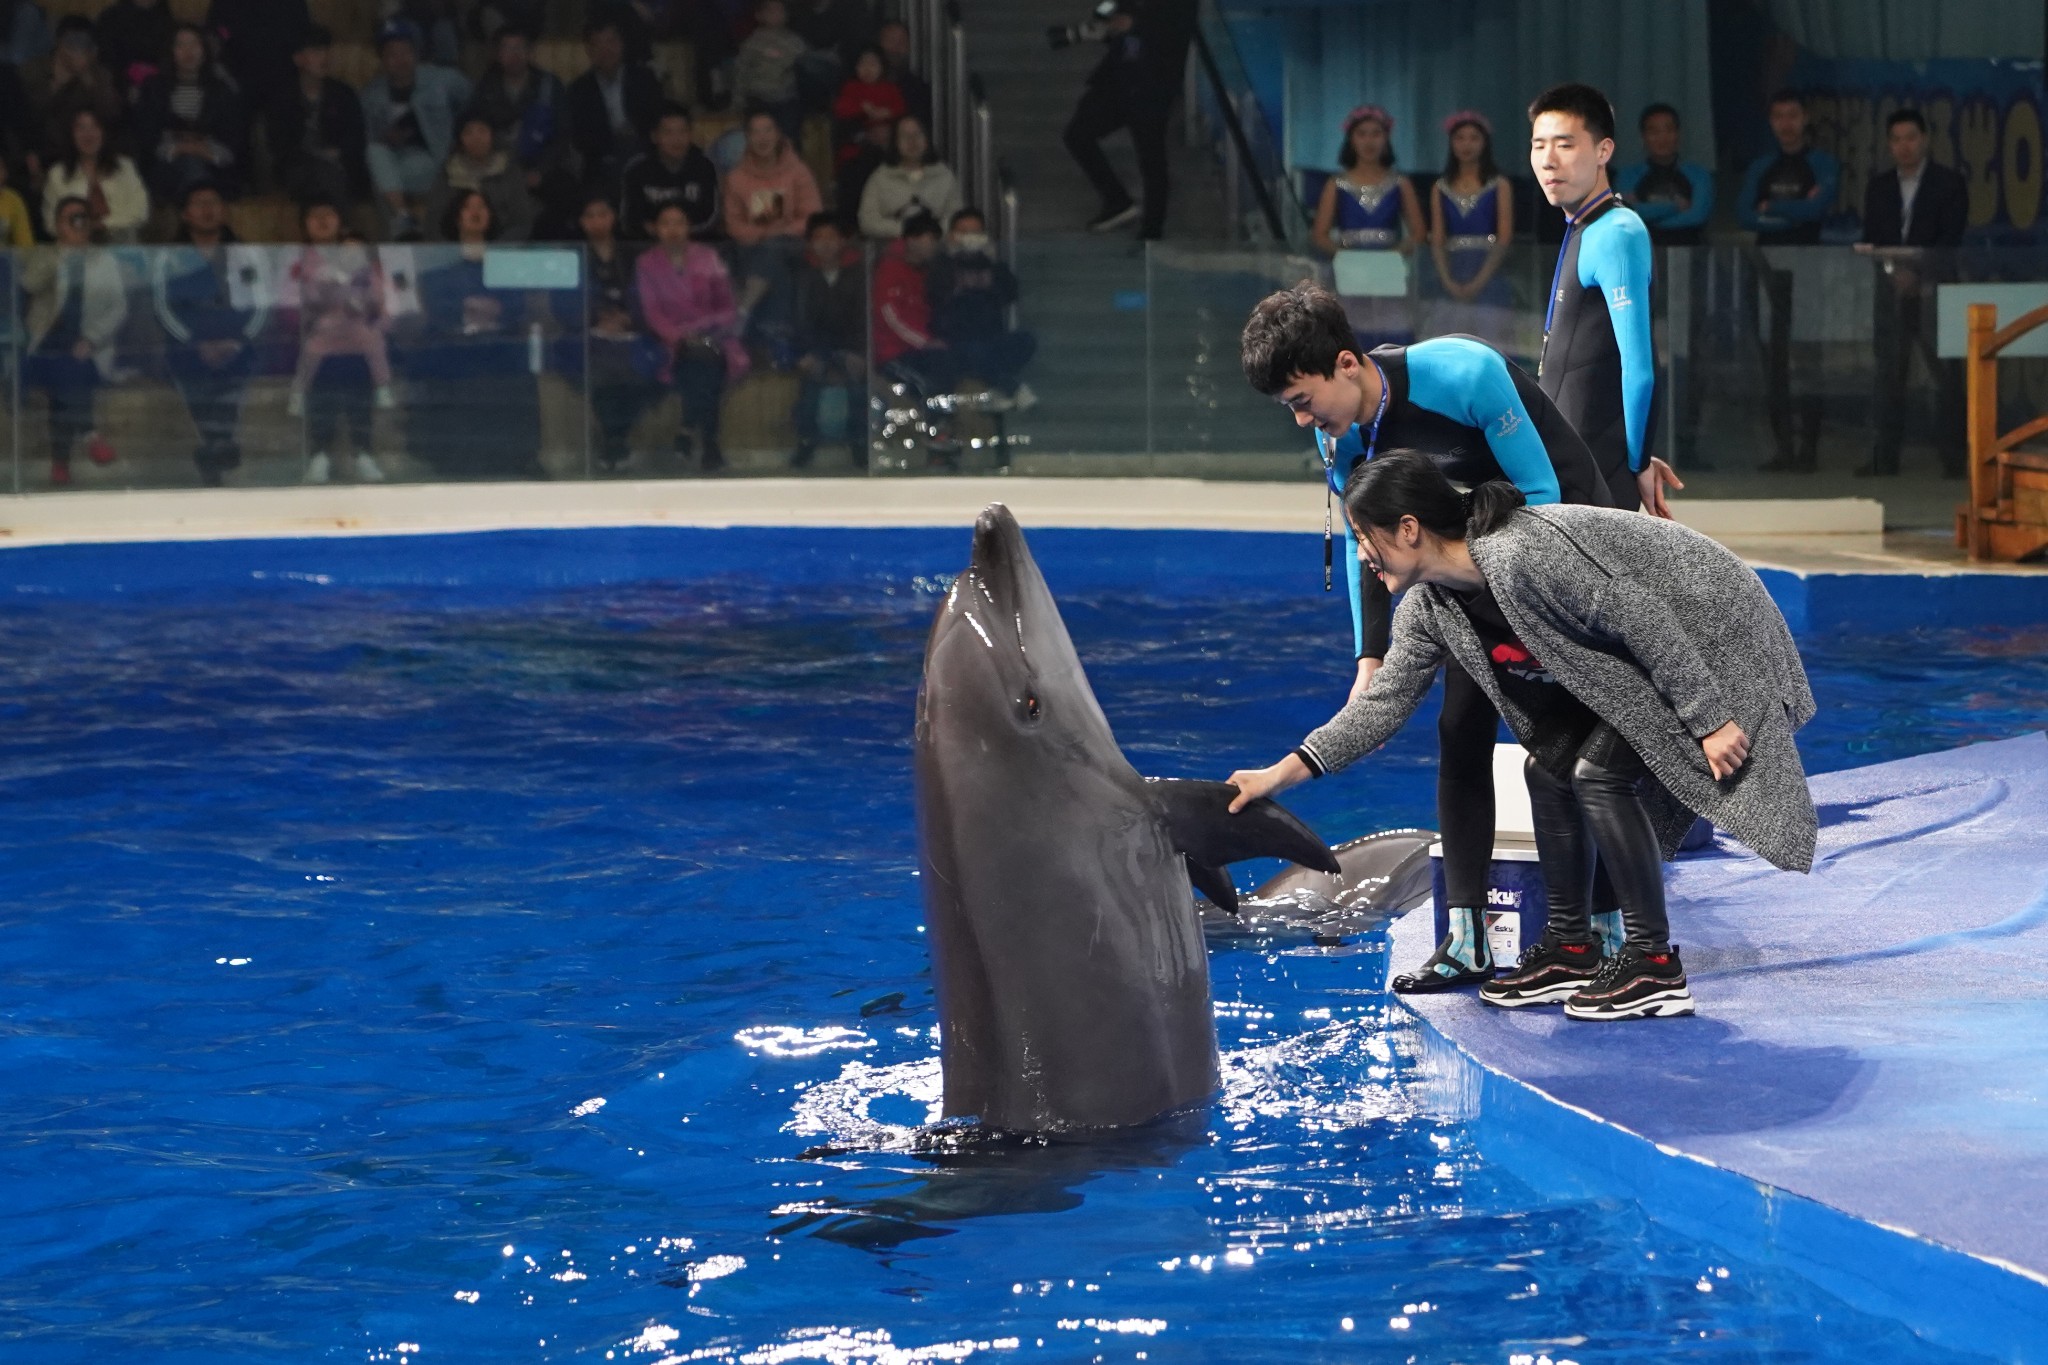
[(1599, 365)]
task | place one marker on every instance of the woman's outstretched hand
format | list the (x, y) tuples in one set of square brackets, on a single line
[(1253, 783), (1727, 749)]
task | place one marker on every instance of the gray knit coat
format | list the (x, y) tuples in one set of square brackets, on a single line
[(1662, 633)]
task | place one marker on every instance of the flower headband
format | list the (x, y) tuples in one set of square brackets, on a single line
[(1471, 116), (1368, 111)]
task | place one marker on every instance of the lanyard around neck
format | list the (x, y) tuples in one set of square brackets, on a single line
[(1571, 222), (1323, 448)]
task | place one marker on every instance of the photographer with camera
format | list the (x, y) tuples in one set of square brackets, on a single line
[(1134, 86)]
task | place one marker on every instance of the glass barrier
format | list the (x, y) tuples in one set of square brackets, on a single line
[(1782, 372)]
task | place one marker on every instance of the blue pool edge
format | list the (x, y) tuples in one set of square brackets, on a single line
[(1950, 1297)]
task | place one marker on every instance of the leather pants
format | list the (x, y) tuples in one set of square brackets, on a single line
[(1598, 811)]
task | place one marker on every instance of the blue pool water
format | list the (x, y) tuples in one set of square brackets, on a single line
[(536, 975)]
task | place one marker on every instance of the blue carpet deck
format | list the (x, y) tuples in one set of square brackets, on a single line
[(1873, 1036)]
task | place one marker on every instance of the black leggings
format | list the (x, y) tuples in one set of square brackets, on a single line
[(1600, 800)]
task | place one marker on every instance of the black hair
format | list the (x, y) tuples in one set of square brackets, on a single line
[(108, 159), (313, 35), (967, 212), (1293, 332), (1348, 159), (1785, 94), (203, 185), (451, 218), (525, 32), (671, 109), (205, 45), (1581, 102), (596, 192), (1488, 167), (307, 206), (754, 111), (931, 153), (77, 23), (57, 214), (871, 51), (823, 220), (1651, 111), (1907, 114), (599, 22), (1407, 483), (921, 224)]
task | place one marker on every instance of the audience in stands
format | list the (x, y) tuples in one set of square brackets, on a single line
[(893, 39), (865, 115), (24, 32), (913, 181), (970, 293), (479, 413), (257, 39), (211, 321), (190, 123), (905, 349), (478, 164), (438, 23), (17, 228), (489, 18), (76, 303), (675, 171), (687, 298), (831, 337), (769, 199), (1672, 196), (613, 106), (316, 134), (117, 204), (71, 78), (623, 358), (344, 365), (523, 105), (765, 76), (135, 37), (22, 139), (410, 110)]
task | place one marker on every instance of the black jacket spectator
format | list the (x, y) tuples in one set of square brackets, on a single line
[(841, 27), (335, 122), (590, 124), (135, 38), (527, 117), (832, 315), (221, 120), (1941, 209), (650, 182), (970, 296), (257, 39)]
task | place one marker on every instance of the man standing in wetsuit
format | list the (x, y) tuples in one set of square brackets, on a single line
[(1598, 363), (1464, 405), (1785, 195)]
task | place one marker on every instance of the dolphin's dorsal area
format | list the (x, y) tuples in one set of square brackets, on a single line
[(1072, 980)]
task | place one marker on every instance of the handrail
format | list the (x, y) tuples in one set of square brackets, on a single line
[(1227, 107), (963, 126), (2006, 517), (2013, 331)]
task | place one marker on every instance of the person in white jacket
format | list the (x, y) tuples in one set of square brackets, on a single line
[(913, 181), (117, 202), (77, 301)]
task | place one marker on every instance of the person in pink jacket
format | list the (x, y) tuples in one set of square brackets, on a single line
[(686, 296), (769, 197)]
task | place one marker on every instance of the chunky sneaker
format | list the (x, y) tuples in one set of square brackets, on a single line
[(318, 468), (1634, 984), (1551, 971)]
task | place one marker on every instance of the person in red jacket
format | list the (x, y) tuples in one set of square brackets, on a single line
[(905, 348), (864, 117)]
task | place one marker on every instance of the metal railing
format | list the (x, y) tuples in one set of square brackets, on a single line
[(962, 123)]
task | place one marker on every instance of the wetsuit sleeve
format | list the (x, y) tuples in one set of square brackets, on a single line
[(1616, 259), (1752, 186), (1394, 694), (1469, 382)]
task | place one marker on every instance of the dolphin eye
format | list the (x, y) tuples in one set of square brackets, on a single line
[(1031, 710)]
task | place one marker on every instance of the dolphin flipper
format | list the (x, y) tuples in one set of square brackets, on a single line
[(1198, 816), (1212, 882)]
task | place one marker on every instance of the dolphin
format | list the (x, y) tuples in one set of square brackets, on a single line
[(1379, 876), (1068, 963)]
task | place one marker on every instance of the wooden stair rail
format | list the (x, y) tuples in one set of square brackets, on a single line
[(2006, 517)]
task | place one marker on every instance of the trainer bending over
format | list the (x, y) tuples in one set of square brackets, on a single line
[(1643, 666)]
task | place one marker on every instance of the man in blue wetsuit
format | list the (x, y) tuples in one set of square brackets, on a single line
[(1598, 363), (1463, 404), (1784, 198), (1674, 198)]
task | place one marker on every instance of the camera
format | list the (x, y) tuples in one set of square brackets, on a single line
[(1091, 30)]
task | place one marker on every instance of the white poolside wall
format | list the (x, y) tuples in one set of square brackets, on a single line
[(1135, 504)]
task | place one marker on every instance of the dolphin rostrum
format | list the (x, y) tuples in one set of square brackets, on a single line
[(1069, 966)]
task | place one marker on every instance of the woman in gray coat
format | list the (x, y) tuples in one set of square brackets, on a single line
[(1643, 666)]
